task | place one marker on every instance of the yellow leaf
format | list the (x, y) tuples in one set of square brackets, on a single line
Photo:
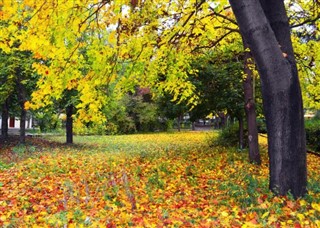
[(3, 218), (272, 219), (224, 214), (300, 216), (265, 214), (290, 221), (315, 206), (303, 202)]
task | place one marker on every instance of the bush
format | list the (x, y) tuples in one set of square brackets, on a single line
[(88, 129), (48, 121), (261, 125), (313, 134), (229, 136)]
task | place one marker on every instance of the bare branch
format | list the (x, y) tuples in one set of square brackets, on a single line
[(223, 16), (307, 21), (102, 4), (214, 43), (227, 28), (187, 20)]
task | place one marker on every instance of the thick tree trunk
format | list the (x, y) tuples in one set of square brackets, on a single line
[(5, 117), (281, 94), (250, 109), (69, 123)]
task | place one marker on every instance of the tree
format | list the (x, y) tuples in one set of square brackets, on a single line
[(170, 109), (4, 117), (265, 28), (219, 85), (6, 89), (304, 20), (149, 37), (18, 83), (250, 108)]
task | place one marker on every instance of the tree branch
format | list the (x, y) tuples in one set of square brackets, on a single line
[(307, 21), (103, 3), (214, 43), (223, 16), (186, 21)]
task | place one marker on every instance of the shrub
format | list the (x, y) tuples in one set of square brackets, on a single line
[(313, 134), (48, 121), (261, 125), (229, 136)]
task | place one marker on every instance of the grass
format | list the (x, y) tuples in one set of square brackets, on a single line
[(146, 180)]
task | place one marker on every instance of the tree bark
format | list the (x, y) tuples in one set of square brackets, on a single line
[(69, 124), (240, 120), (23, 115), (179, 123), (222, 117), (250, 110), (5, 117), (282, 100)]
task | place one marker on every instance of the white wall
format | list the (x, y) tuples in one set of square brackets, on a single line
[(17, 123)]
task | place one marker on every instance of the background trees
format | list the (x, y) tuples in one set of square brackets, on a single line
[(18, 81)]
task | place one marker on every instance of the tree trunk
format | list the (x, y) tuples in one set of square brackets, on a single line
[(193, 126), (5, 117), (240, 120), (222, 117), (69, 123), (23, 115), (250, 109), (282, 100), (179, 123)]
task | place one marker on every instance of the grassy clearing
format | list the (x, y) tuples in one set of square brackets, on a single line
[(147, 180)]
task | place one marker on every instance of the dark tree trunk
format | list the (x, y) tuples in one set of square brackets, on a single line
[(250, 109), (282, 100), (69, 123), (23, 115), (5, 116), (240, 120), (179, 123), (222, 117)]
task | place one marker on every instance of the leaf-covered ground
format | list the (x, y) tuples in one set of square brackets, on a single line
[(147, 180)]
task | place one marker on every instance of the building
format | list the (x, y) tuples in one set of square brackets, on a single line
[(14, 122)]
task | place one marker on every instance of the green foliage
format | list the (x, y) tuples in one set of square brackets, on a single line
[(144, 113), (90, 129), (219, 83), (17, 79), (4, 166), (313, 134), (48, 121), (261, 125), (133, 113), (229, 136)]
